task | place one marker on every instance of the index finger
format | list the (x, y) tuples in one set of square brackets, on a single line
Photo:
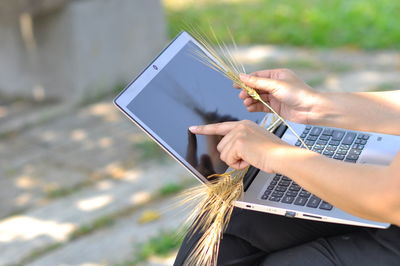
[(214, 129)]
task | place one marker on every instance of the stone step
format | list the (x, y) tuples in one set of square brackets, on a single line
[(23, 234), (64, 153), (118, 243)]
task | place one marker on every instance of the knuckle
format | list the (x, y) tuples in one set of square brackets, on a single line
[(222, 156), (252, 78), (240, 141), (241, 126)]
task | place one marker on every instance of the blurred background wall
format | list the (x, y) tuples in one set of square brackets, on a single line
[(68, 49)]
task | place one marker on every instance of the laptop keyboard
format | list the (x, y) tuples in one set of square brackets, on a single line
[(337, 144)]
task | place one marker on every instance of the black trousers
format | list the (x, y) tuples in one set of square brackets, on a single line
[(255, 238)]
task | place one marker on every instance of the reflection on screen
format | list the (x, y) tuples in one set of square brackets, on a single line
[(186, 92)]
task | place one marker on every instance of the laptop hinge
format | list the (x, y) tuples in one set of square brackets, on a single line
[(253, 172), (249, 177)]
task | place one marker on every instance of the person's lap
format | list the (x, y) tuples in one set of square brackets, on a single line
[(254, 238)]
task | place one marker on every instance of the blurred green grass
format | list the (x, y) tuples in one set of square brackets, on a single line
[(355, 24)]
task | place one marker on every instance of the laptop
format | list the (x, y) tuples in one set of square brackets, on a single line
[(177, 91)]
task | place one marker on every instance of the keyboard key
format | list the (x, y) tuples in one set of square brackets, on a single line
[(312, 138), (360, 147), (298, 143), (354, 151), (350, 160), (344, 147), (308, 127), (334, 142), (331, 148), (328, 153), (273, 182), (281, 188), (319, 146), (325, 206), (286, 178), (300, 201), (341, 152), (309, 142), (338, 157), (337, 135), (315, 131), (267, 192), (327, 132), (349, 138), (287, 199), (305, 194), (274, 198), (264, 197), (365, 137), (284, 183), (323, 137), (270, 187), (277, 194), (294, 187), (358, 141), (352, 156), (313, 202), (276, 178), (363, 142), (291, 193), (303, 135), (322, 142)]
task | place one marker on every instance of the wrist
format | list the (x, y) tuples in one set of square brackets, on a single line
[(278, 157), (320, 108)]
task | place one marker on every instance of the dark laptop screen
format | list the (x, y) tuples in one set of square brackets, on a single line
[(186, 92)]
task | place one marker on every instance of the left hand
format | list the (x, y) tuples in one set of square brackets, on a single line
[(244, 143)]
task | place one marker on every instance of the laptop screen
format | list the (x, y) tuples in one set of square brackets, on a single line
[(184, 93)]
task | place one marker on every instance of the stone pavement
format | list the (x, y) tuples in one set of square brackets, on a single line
[(73, 181)]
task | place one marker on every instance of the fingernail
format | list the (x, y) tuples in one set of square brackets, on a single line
[(244, 77), (193, 128)]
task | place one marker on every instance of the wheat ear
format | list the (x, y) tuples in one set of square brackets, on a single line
[(214, 201)]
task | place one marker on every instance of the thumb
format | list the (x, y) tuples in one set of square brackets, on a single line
[(263, 84)]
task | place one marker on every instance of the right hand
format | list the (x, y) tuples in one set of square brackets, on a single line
[(288, 95)]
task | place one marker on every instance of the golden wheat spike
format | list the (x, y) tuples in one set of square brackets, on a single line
[(228, 66), (215, 200)]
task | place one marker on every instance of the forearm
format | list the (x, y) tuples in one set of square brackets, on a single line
[(363, 190), (372, 111)]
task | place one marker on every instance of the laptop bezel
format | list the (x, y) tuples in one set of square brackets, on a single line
[(140, 82)]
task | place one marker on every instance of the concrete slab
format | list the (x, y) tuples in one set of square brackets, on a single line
[(23, 234), (118, 243)]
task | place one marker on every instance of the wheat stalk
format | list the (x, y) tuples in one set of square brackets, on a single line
[(215, 200)]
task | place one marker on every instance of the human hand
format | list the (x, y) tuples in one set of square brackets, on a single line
[(244, 143), (288, 95)]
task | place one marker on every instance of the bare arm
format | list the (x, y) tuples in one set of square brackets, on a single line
[(368, 191), (296, 101), (365, 111)]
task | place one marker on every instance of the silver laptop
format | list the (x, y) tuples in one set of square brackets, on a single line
[(177, 91)]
